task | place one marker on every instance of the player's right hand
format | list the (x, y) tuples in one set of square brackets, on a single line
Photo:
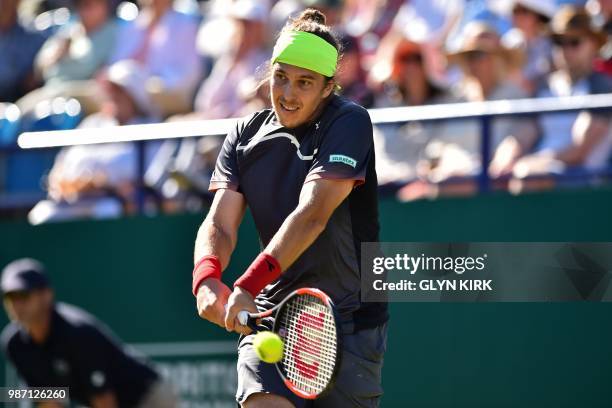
[(211, 300)]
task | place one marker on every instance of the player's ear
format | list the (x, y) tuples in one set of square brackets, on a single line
[(330, 84)]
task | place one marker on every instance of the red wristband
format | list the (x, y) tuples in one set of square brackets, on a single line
[(207, 267), (264, 269)]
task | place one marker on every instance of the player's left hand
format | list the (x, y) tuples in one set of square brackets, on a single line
[(239, 300)]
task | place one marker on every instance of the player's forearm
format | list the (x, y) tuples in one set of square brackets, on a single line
[(214, 240), (296, 234)]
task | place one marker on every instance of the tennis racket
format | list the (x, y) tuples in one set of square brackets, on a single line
[(306, 322)]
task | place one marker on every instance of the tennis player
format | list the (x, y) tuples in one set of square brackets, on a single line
[(306, 171)]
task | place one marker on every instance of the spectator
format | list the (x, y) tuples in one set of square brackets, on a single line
[(485, 64), (281, 10), (219, 95), (255, 95), (163, 42), (69, 60), (601, 12), (231, 90), (126, 102), (351, 75), (184, 169), (578, 138), (97, 181), (429, 23), (530, 20), (80, 48), (398, 148), (18, 47), (409, 83), (370, 20), (59, 345)]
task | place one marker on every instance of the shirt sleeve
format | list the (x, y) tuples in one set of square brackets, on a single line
[(226, 173), (345, 150), (8, 347), (93, 362)]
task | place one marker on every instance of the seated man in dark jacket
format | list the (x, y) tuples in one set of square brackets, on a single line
[(59, 345)]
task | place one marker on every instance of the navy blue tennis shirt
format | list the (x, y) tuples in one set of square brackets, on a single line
[(269, 163), (79, 353)]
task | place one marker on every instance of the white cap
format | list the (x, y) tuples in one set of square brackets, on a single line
[(250, 10), (546, 8), (130, 76)]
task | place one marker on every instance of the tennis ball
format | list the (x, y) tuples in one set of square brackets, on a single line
[(268, 346)]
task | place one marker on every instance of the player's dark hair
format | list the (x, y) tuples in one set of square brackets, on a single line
[(313, 21)]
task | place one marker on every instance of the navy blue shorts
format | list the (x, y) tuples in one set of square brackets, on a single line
[(358, 383)]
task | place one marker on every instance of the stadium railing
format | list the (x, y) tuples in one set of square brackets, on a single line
[(482, 111)]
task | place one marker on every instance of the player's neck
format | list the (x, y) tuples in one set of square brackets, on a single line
[(319, 111)]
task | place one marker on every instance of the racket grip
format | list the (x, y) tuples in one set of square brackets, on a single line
[(243, 317)]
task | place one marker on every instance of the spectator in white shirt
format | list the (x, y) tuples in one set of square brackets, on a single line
[(219, 95), (163, 42), (97, 181)]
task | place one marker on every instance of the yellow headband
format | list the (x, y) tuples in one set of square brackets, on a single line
[(306, 50)]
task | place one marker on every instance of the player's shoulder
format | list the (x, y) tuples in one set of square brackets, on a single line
[(9, 336), (76, 318), (80, 325), (341, 106), (342, 116), (248, 126), (256, 119)]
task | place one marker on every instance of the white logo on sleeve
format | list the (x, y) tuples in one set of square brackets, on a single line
[(98, 379), (340, 158)]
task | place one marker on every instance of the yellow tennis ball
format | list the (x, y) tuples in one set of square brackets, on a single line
[(268, 346)]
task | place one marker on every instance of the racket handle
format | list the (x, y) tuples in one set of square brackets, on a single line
[(243, 317)]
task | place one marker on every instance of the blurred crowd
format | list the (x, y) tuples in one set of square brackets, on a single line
[(102, 63)]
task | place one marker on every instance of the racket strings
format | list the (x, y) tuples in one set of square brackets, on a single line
[(310, 343)]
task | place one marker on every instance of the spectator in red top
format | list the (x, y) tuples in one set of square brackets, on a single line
[(601, 12)]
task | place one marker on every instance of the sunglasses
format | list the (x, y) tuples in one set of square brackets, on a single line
[(474, 56), (572, 42), (411, 58)]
